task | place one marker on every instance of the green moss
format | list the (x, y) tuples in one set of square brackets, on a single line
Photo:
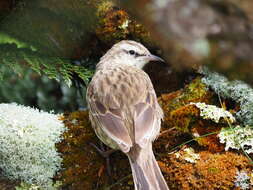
[(180, 113), (196, 91)]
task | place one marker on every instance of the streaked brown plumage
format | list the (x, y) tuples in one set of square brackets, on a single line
[(124, 110)]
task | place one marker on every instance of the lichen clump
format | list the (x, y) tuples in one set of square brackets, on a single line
[(27, 144), (237, 138), (235, 90), (242, 180), (25, 186), (188, 154), (213, 112)]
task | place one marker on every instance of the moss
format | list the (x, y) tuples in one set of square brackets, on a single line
[(81, 162), (173, 103), (110, 25), (115, 24), (211, 171), (205, 133), (84, 167), (196, 91), (186, 117)]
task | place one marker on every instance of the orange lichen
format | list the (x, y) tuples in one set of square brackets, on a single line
[(210, 171)]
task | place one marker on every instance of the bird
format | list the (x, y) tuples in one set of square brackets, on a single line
[(124, 111)]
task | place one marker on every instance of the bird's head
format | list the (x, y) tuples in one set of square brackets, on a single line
[(131, 53)]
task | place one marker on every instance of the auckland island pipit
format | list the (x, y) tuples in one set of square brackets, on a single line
[(124, 110)]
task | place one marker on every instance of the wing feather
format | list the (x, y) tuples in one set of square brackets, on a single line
[(146, 121), (111, 123), (115, 128)]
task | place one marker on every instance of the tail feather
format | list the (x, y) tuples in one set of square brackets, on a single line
[(146, 172)]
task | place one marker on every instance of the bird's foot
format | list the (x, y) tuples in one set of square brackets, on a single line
[(103, 151)]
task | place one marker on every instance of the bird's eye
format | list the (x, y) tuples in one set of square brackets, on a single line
[(131, 52)]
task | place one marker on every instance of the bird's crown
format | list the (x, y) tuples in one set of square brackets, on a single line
[(128, 52), (131, 47)]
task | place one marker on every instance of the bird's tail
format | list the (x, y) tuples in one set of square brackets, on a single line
[(146, 172)]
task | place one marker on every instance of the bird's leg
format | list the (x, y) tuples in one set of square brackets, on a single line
[(106, 154), (102, 150)]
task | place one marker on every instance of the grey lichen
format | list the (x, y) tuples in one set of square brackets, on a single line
[(237, 138), (188, 154), (236, 90), (213, 113), (242, 180), (27, 144), (25, 186)]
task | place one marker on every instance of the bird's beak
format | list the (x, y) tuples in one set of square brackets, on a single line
[(155, 58)]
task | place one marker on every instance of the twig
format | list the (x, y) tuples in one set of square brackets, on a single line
[(118, 182), (166, 131)]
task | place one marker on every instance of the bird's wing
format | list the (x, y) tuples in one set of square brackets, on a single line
[(127, 114), (110, 122), (106, 113), (147, 119)]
